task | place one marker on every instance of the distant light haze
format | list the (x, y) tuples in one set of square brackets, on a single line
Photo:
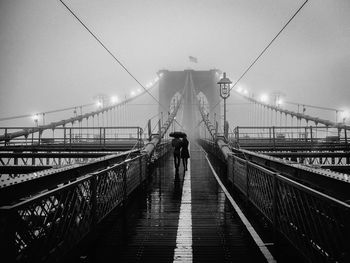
[(49, 61)]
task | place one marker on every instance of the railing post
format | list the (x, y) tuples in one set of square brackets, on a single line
[(346, 136), (64, 136), (274, 208), (104, 137), (274, 137), (139, 136), (100, 135), (70, 136), (346, 144), (305, 134), (311, 136), (94, 200), (149, 130), (5, 142)]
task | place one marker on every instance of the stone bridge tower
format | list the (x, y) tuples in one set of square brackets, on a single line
[(203, 83)]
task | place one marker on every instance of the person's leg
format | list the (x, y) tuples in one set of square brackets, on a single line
[(186, 163), (177, 161)]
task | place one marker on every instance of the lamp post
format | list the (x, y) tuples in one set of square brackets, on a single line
[(36, 119), (224, 85)]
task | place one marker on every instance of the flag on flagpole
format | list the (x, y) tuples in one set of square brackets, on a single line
[(193, 59)]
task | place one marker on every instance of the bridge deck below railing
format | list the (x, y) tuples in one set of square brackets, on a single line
[(184, 218)]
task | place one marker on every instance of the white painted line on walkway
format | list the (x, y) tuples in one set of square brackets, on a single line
[(267, 254), (183, 251)]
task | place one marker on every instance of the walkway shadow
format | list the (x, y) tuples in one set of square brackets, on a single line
[(177, 187)]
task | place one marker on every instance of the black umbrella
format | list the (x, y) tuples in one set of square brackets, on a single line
[(177, 134)]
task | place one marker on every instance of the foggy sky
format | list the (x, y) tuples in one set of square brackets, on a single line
[(49, 61)]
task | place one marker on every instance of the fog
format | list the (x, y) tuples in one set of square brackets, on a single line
[(49, 61)]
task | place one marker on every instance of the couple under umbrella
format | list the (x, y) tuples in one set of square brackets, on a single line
[(180, 149)]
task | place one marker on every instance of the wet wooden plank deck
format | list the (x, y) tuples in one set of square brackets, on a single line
[(184, 219)]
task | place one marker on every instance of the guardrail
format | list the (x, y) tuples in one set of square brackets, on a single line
[(19, 187), (314, 223), (49, 214), (43, 228), (301, 137), (72, 136)]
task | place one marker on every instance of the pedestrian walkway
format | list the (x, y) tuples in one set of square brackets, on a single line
[(184, 218)]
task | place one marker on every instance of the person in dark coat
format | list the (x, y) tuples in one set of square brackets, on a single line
[(184, 152), (176, 143)]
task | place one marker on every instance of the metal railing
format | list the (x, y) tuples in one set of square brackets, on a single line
[(47, 226), (305, 136), (72, 136), (314, 223), (43, 222)]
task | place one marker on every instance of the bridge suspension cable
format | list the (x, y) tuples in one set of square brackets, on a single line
[(263, 51), (53, 125), (46, 112), (109, 52), (298, 115), (312, 106)]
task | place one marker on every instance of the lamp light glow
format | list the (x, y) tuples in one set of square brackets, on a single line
[(35, 117), (114, 99), (264, 98), (345, 115), (279, 102)]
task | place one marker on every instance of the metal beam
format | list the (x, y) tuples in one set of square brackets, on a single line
[(307, 154), (29, 184), (70, 148), (331, 183), (150, 146), (22, 169), (53, 154)]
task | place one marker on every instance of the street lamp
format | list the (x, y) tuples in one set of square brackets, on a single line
[(224, 84), (114, 99), (36, 119), (264, 98), (345, 114)]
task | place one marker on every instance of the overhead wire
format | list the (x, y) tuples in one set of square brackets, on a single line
[(313, 106), (71, 108), (263, 51), (109, 52), (45, 112)]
